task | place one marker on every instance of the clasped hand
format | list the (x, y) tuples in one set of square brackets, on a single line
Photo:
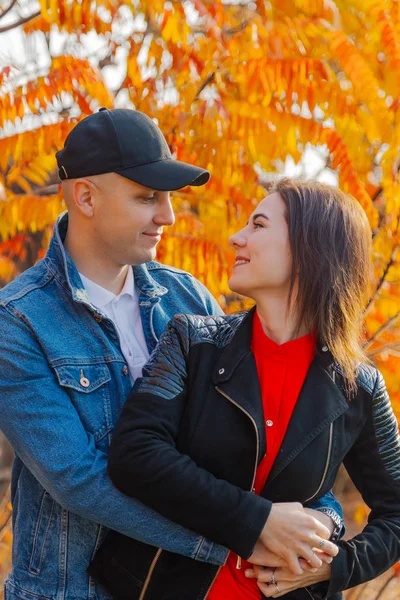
[(295, 547)]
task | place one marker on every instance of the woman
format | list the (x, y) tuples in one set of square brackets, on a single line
[(271, 401)]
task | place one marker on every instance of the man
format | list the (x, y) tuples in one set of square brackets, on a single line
[(75, 331)]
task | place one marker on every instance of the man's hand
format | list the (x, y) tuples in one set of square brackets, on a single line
[(262, 556), (285, 580), (291, 534)]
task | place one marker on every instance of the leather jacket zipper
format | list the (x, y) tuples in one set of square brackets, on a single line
[(255, 429), (328, 458), (239, 560), (157, 556), (150, 573)]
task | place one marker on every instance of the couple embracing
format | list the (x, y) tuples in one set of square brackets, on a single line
[(163, 450)]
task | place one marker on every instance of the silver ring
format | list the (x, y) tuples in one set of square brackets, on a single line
[(277, 589), (322, 543), (272, 579)]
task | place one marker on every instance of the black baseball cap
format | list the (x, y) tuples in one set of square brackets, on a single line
[(129, 143)]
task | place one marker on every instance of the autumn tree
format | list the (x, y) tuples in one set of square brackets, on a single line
[(238, 87)]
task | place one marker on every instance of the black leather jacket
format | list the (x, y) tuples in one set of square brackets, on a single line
[(189, 440)]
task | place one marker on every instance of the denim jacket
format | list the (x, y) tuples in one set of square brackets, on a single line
[(51, 338)]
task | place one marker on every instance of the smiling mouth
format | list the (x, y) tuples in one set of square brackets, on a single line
[(240, 262), (153, 235)]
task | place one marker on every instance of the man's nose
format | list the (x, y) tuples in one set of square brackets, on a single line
[(165, 213)]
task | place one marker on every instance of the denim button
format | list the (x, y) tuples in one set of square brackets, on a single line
[(125, 370), (97, 318), (84, 381)]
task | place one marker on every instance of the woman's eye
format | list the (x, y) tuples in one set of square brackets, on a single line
[(258, 225)]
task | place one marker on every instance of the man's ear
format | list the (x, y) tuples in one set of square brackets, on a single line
[(84, 196)]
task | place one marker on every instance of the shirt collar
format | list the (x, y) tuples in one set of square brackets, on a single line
[(100, 296), (60, 263)]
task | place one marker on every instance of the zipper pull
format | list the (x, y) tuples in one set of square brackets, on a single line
[(239, 563)]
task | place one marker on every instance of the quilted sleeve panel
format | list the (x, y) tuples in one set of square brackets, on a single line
[(373, 463), (165, 372), (386, 429)]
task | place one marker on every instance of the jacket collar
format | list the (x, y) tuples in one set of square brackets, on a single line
[(320, 401), (235, 377), (237, 348), (62, 266)]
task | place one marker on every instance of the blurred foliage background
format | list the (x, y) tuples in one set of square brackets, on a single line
[(249, 89)]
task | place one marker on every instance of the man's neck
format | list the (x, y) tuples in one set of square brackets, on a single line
[(94, 265)]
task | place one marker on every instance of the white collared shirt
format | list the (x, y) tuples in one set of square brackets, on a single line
[(124, 311)]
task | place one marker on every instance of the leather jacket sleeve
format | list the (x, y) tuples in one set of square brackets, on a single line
[(145, 463), (373, 464)]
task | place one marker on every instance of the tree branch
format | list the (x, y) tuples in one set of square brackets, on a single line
[(381, 330), (7, 10), (205, 83), (390, 263), (384, 348), (374, 296), (20, 22), (238, 28)]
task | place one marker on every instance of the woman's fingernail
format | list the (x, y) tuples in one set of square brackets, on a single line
[(330, 559), (248, 573), (314, 570)]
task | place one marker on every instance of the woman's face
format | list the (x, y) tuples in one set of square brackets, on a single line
[(263, 256)]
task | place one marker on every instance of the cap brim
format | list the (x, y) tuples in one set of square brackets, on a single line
[(166, 175)]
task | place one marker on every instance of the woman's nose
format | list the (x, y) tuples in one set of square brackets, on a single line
[(238, 240)]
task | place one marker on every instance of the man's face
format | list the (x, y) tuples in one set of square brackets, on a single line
[(128, 219)]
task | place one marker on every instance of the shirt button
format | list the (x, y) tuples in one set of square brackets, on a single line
[(324, 348), (221, 371), (269, 423), (125, 370)]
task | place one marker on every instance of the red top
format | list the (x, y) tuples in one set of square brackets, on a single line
[(281, 370)]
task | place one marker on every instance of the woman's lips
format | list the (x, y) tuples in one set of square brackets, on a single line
[(240, 262)]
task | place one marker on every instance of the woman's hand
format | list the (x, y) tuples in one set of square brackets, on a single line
[(262, 557), (285, 581), (322, 518), (292, 534)]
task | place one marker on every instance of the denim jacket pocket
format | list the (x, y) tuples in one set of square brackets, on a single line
[(41, 532), (86, 385)]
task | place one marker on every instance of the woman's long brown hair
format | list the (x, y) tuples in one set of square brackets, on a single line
[(330, 240)]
